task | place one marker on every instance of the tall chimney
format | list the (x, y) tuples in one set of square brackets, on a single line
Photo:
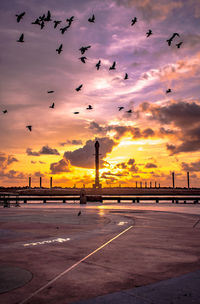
[(29, 182), (97, 184), (51, 182), (40, 181), (173, 180), (188, 179)]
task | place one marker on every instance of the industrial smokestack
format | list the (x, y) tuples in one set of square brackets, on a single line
[(29, 182), (188, 180), (40, 182), (173, 180), (51, 182), (97, 184)]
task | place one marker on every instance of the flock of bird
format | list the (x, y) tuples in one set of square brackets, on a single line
[(40, 21)]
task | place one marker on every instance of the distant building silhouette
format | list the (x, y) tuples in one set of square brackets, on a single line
[(96, 184)]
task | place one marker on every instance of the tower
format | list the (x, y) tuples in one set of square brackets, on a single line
[(97, 184)]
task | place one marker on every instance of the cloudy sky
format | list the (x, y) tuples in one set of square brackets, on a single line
[(161, 135)]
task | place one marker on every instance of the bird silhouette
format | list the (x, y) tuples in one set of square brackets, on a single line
[(29, 128), (49, 92), (21, 38), (149, 33), (79, 88), (59, 50), (79, 213), (48, 17), (83, 59), (92, 19), (89, 107), (63, 29), (179, 44), (41, 18), (169, 41), (52, 106), (133, 21), (126, 76), (84, 48), (120, 108), (129, 111), (168, 91), (70, 20), (20, 16), (37, 21), (98, 64), (56, 22), (113, 66), (76, 112), (5, 111)]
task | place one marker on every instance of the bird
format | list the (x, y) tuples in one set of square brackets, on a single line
[(133, 21), (56, 22), (48, 17), (63, 29), (149, 33), (79, 88), (129, 111), (83, 59), (79, 213), (168, 91), (59, 50), (5, 111), (70, 20), (20, 16), (89, 107), (21, 38), (92, 19), (98, 64), (120, 108), (37, 21), (49, 92), (179, 44), (29, 128), (84, 48), (169, 41), (41, 18), (76, 112), (52, 106), (126, 76), (113, 66)]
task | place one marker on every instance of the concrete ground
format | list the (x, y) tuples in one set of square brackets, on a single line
[(120, 253)]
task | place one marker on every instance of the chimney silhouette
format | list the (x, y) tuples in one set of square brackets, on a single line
[(97, 184)]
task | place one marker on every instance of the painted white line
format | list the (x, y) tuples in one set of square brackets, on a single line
[(73, 266), (58, 240)]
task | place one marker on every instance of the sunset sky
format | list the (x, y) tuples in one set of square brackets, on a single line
[(161, 135)]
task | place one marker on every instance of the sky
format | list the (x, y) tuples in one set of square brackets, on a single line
[(160, 136)]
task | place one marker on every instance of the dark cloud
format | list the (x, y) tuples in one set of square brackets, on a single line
[(46, 150), (194, 166), (12, 174), (84, 157), (62, 166), (150, 165), (6, 160), (148, 132), (38, 174), (72, 142), (164, 131)]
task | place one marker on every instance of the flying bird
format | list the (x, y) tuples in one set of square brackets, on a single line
[(79, 88), (42, 25), (133, 21), (169, 41), (98, 64), (83, 59), (89, 107), (20, 16), (179, 44), (70, 20), (76, 112), (49, 92), (21, 38), (59, 50), (5, 111), (92, 19), (120, 108), (52, 106), (168, 91), (63, 29), (113, 66), (149, 33), (84, 48), (126, 76), (79, 213), (129, 111), (37, 21), (29, 128), (48, 18), (56, 22), (42, 17)]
